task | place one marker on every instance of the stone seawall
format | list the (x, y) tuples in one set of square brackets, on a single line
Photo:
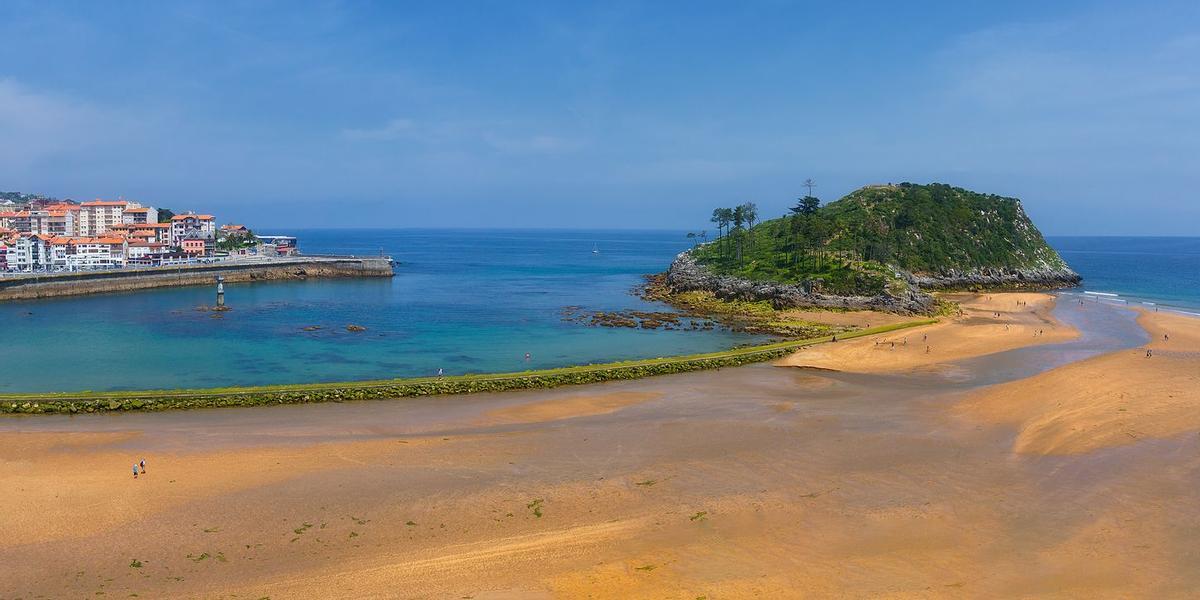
[(28, 287)]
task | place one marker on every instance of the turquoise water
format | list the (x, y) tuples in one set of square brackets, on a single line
[(462, 301)]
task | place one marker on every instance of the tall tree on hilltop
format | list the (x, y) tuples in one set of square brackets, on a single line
[(750, 213), (719, 219), (739, 220)]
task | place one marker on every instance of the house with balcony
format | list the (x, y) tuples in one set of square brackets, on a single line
[(183, 226)]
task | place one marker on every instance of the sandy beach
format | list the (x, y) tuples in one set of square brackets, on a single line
[(989, 323), (881, 477)]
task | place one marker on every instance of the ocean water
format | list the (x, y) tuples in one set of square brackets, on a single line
[(464, 301), (1162, 270)]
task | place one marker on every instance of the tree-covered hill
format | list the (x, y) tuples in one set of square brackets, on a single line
[(870, 241)]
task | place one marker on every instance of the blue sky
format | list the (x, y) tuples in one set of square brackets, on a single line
[(613, 114)]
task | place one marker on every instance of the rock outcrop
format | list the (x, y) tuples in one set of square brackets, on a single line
[(686, 274)]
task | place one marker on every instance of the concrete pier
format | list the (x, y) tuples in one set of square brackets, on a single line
[(32, 286)]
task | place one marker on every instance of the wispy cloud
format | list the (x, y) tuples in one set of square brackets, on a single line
[(392, 130), (37, 125), (464, 136)]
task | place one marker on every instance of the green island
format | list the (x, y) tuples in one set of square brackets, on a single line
[(886, 239), (91, 402), (880, 247)]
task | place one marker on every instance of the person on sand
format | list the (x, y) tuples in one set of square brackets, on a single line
[(142, 464), (135, 471), (926, 349), (1166, 338), (893, 345), (834, 339), (1149, 352)]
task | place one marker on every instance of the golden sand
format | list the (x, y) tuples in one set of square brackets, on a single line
[(1111, 400), (989, 323)]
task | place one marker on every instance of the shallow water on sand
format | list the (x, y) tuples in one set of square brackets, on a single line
[(1104, 328)]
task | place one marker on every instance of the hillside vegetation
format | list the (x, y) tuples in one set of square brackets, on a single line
[(858, 244)]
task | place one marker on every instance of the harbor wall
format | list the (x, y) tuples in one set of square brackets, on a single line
[(29, 287)]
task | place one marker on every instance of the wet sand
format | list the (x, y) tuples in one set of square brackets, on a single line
[(1112, 400), (989, 323), (752, 482)]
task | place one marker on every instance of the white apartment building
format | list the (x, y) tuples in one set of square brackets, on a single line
[(54, 221), (183, 225), (141, 250), (97, 216), (31, 252), (81, 253), (140, 214)]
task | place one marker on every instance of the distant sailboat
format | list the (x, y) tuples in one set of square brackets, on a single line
[(595, 249)]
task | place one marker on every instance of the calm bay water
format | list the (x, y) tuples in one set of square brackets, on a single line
[(466, 301)]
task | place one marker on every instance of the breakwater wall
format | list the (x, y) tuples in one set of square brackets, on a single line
[(33, 286)]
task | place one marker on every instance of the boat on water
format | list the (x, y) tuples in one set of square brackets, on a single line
[(595, 249)]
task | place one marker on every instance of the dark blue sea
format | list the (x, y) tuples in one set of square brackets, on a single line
[(1160, 270), (465, 301)]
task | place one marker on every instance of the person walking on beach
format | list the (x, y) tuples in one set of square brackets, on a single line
[(135, 471), (1149, 352), (142, 464), (439, 371)]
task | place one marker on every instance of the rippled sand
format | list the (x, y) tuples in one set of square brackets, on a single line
[(752, 482)]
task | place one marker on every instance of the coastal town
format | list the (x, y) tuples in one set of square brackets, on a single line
[(39, 234)]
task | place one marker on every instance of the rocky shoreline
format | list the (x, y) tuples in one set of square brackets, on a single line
[(1033, 279), (685, 274)]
